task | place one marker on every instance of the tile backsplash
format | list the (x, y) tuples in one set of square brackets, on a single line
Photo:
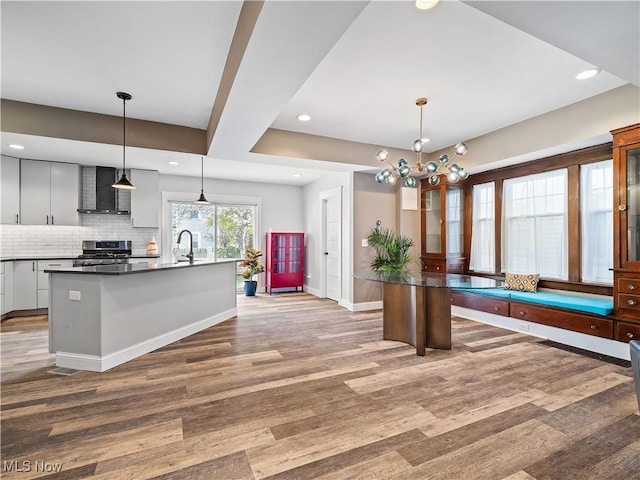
[(54, 240)]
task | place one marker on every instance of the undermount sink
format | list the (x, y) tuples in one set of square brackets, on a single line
[(186, 260)]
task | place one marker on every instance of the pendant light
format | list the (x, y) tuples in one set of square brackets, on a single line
[(124, 182), (202, 200)]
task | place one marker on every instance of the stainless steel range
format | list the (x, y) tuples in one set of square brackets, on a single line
[(103, 252)]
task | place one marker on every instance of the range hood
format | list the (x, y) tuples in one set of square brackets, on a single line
[(106, 195)]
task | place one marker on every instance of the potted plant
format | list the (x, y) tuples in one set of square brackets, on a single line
[(392, 250), (253, 266)]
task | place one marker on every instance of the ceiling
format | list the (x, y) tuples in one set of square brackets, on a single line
[(355, 67)]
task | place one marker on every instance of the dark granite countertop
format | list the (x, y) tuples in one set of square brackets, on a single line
[(127, 269)]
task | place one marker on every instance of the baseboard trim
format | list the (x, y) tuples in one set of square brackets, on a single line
[(604, 346), (362, 306), (103, 363)]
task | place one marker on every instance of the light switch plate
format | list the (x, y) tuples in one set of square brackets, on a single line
[(75, 295), (365, 242)]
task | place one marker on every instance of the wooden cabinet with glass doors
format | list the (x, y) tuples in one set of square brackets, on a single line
[(442, 220), (626, 219), (284, 261)]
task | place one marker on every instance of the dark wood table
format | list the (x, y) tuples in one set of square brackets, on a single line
[(417, 305)]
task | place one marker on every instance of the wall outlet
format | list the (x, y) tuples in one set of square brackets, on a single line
[(524, 327), (75, 295), (365, 242)]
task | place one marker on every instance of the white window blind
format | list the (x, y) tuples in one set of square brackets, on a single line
[(596, 210), (534, 225), (483, 238), (454, 221)]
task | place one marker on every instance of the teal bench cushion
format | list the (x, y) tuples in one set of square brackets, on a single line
[(492, 292), (571, 302)]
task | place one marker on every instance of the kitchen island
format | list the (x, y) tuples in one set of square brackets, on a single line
[(103, 316)]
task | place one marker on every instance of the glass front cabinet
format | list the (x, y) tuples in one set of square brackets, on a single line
[(284, 261), (442, 220), (626, 272)]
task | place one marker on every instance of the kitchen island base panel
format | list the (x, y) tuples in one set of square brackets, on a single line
[(94, 363), (119, 317)]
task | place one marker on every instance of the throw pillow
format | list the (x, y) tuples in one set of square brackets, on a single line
[(526, 282)]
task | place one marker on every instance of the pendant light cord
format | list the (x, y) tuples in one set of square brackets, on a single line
[(202, 175), (124, 131)]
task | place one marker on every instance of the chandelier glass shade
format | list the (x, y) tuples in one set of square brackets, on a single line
[(433, 169)]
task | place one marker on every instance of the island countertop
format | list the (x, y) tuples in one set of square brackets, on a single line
[(130, 268)]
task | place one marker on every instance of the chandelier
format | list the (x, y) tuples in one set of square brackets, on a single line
[(402, 169)]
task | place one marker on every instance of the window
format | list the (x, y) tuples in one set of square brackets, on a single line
[(534, 225), (596, 209), (455, 236), (483, 238), (219, 231)]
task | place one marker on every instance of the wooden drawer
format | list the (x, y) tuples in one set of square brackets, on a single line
[(629, 302), (629, 285), (483, 303), (435, 266), (577, 322), (627, 331)]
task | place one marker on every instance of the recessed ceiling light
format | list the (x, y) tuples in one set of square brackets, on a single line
[(592, 72), (173, 162), (17, 147), (426, 4), (303, 117), (297, 174), (425, 140)]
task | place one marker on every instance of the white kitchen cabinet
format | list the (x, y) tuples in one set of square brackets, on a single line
[(43, 278), (6, 287), (9, 190), (145, 199), (25, 284), (65, 193), (49, 193)]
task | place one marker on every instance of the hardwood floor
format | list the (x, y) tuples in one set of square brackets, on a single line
[(296, 387)]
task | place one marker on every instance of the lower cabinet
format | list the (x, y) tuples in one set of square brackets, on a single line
[(43, 279), (25, 284), (481, 302), (30, 284), (577, 322), (6, 287), (625, 331)]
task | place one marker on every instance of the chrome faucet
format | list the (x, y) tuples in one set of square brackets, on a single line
[(190, 254)]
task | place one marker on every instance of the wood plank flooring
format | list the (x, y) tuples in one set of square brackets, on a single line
[(297, 387)]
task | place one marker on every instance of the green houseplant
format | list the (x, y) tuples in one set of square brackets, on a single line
[(392, 250), (253, 266)]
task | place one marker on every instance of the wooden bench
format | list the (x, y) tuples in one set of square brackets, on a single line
[(583, 314)]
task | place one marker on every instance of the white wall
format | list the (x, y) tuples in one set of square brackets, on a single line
[(313, 229)]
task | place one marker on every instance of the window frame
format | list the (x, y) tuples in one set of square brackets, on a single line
[(570, 160)]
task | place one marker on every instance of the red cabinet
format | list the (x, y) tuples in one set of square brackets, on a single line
[(284, 261)]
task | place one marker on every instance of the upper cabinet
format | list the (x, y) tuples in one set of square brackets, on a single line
[(145, 198), (49, 193), (10, 193), (442, 228), (626, 272)]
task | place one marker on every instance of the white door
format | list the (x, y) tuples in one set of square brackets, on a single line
[(332, 242)]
